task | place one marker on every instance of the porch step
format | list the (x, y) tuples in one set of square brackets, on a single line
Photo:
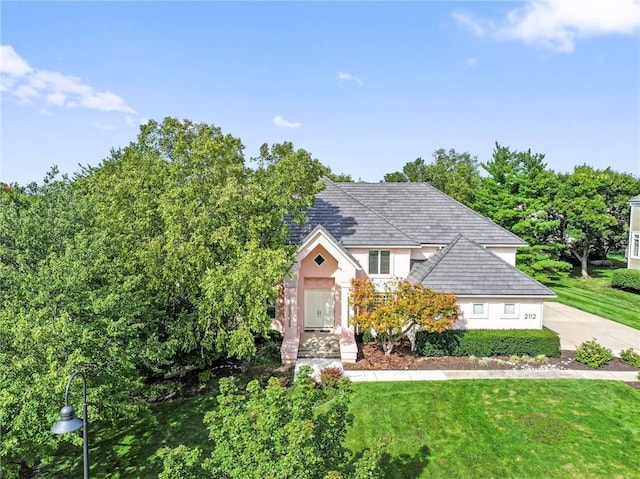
[(319, 345)]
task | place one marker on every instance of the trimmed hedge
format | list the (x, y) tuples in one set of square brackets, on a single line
[(628, 279), (488, 342)]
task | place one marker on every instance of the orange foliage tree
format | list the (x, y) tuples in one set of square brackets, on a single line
[(403, 307)]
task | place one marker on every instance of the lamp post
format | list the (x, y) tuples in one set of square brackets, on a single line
[(69, 422)]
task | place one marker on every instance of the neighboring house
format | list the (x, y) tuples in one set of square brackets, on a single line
[(634, 234), (388, 231)]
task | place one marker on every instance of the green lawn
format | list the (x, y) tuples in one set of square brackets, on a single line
[(596, 295), (501, 428), (455, 429)]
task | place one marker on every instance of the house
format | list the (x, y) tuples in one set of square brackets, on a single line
[(634, 234), (388, 231)]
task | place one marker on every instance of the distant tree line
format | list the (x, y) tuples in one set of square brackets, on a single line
[(565, 217)]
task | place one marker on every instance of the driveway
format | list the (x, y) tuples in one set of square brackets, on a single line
[(575, 327)]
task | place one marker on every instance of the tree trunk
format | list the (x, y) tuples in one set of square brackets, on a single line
[(584, 262), (387, 346)]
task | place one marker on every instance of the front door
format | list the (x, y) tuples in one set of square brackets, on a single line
[(318, 308)]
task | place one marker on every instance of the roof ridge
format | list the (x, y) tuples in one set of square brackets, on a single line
[(439, 256), (374, 211)]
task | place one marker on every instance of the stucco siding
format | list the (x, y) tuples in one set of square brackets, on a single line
[(527, 314), (420, 254), (507, 254), (400, 261)]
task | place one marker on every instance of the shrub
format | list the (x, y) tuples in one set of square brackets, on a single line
[(629, 356), (542, 359), (330, 377), (593, 354), (367, 337), (627, 279), (601, 262), (488, 342), (180, 463)]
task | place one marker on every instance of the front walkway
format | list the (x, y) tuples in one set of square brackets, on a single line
[(575, 327), (422, 375), (369, 376)]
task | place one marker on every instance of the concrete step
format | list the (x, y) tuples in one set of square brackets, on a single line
[(314, 353)]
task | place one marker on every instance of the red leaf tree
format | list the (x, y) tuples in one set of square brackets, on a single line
[(403, 307)]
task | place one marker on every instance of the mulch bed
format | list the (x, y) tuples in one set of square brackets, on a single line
[(371, 357)]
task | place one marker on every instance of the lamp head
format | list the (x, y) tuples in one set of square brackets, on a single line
[(68, 421)]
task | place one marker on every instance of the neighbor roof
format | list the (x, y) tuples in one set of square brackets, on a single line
[(635, 199), (397, 214), (466, 268)]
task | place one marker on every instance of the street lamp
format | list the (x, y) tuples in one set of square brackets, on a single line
[(69, 422)]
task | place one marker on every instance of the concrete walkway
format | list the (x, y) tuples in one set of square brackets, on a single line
[(370, 376), (575, 327), (317, 364)]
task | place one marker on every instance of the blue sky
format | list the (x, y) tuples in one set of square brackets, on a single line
[(365, 87)]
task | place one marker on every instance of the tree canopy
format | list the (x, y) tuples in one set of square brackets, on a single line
[(455, 174), (162, 256)]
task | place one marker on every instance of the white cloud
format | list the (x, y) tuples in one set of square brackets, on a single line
[(11, 63), (348, 77), (556, 25), (24, 93), (26, 84), (57, 98), (472, 61), (282, 123), (45, 112), (469, 21)]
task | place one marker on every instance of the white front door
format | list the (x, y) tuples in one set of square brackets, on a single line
[(318, 308)]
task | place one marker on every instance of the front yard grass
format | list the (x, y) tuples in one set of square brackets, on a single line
[(501, 428), (454, 429), (596, 295)]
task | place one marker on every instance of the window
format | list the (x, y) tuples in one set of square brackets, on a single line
[(635, 245), (319, 260), (379, 262), (479, 310), (510, 310)]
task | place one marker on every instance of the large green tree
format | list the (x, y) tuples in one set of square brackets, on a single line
[(584, 205), (204, 233), (453, 173), (162, 256), (277, 432), (60, 311), (518, 193)]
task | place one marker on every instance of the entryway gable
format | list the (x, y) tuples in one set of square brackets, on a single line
[(320, 236)]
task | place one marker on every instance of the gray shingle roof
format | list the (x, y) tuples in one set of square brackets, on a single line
[(635, 199), (397, 214), (467, 269)]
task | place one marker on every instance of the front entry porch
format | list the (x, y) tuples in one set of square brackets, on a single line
[(319, 345)]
